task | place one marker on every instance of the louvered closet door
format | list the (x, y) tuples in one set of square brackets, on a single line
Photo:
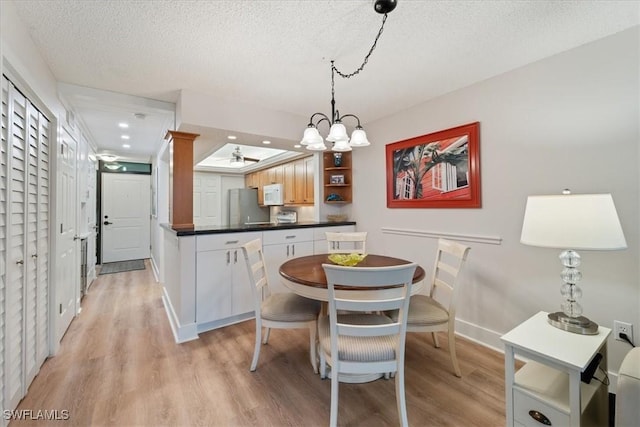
[(36, 235), (3, 236), (42, 260), (27, 243), (14, 369)]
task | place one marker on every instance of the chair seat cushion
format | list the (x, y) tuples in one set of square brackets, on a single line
[(359, 349), (289, 307), (423, 311)]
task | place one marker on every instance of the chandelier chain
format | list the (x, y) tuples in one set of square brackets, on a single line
[(366, 58)]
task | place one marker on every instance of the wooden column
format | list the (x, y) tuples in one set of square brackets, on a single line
[(181, 179)]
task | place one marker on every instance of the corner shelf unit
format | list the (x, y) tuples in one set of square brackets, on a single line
[(337, 179)]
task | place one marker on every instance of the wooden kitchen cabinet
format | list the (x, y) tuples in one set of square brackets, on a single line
[(296, 177), (289, 184), (298, 182), (308, 193), (251, 180), (276, 175)]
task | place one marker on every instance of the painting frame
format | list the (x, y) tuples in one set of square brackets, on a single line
[(435, 170), (337, 179)]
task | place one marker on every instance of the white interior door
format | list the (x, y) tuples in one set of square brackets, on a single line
[(67, 257), (126, 216)]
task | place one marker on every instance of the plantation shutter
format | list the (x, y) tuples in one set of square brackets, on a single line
[(24, 244)]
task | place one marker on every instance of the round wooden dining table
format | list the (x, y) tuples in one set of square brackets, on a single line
[(305, 275)]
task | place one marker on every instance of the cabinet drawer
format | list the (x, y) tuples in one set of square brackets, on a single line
[(523, 404), (278, 237), (213, 242)]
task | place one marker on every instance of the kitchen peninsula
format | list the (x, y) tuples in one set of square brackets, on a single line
[(206, 285)]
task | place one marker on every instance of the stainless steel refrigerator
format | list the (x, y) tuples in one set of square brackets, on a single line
[(244, 208)]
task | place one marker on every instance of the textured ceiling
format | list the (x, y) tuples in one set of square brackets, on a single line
[(276, 54)]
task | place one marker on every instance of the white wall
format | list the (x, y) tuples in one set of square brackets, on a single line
[(568, 121)]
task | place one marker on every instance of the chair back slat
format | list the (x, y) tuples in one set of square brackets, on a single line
[(450, 258), (345, 243), (257, 270), (368, 330)]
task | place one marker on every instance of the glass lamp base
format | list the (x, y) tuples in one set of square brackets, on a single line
[(577, 325)]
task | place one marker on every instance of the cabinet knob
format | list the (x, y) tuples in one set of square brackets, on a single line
[(539, 417)]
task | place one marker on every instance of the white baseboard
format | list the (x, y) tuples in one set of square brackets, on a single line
[(181, 333), (154, 268)]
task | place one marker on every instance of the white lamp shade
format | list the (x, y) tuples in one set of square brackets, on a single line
[(311, 136), (319, 146), (338, 133), (359, 138), (574, 221), (341, 146)]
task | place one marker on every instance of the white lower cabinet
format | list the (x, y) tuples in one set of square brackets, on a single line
[(281, 245), (223, 290)]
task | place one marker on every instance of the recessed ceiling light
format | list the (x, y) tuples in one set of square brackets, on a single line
[(232, 137), (126, 146), (297, 146), (125, 136), (123, 125), (266, 142)]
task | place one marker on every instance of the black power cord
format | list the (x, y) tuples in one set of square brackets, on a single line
[(626, 338)]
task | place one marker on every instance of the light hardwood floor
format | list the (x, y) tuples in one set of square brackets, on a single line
[(118, 365)]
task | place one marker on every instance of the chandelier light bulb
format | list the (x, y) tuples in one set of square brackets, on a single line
[(359, 138), (311, 136), (317, 147), (341, 146), (338, 133)]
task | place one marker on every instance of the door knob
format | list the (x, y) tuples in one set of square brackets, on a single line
[(107, 223)]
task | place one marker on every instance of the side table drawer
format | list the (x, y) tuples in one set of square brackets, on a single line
[(523, 403)]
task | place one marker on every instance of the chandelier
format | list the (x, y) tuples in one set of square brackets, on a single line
[(337, 131)]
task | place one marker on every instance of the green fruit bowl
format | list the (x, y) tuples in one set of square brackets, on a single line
[(348, 260)]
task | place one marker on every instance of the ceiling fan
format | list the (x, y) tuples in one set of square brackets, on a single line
[(238, 157)]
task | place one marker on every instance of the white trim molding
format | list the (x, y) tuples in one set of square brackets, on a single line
[(489, 240)]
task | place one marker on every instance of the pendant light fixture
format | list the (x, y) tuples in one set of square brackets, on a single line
[(337, 131)]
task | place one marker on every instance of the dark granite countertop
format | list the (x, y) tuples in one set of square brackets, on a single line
[(221, 229)]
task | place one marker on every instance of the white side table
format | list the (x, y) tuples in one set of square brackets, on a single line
[(547, 390)]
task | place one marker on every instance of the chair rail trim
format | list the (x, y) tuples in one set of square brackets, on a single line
[(490, 240)]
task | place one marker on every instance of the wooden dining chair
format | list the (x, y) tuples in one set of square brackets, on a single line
[(361, 341), (437, 311), (277, 310), (346, 243)]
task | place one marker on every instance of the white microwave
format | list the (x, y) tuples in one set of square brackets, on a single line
[(273, 195)]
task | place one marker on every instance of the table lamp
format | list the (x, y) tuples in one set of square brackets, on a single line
[(572, 221)]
